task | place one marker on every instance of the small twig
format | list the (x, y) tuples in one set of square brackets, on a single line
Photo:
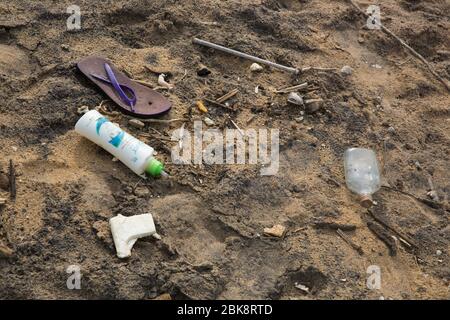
[(404, 238), (182, 77), (227, 96), (334, 226), (145, 83), (430, 203), (411, 50), (293, 88), (160, 120), (237, 127), (350, 242), (12, 180), (155, 71), (218, 104), (309, 101), (399, 64), (384, 236), (305, 69)]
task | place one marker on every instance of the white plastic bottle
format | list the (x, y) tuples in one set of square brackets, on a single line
[(132, 152), (362, 174)]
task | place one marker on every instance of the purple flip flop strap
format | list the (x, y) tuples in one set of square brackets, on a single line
[(118, 87)]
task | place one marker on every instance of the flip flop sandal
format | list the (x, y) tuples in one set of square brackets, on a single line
[(134, 98)]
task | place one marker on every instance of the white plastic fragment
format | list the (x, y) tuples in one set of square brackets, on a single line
[(162, 82), (126, 231), (255, 67)]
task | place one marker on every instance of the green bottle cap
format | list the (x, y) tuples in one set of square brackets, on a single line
[(154, 168)]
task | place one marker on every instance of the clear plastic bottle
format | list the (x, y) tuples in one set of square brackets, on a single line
[(362, 173)]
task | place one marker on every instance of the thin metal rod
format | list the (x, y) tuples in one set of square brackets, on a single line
[(244, 55)]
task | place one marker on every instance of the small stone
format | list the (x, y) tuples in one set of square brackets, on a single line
[(276, 231), (433, 195), (141, 192), (5, 252), (14, 148), (381, 298), (208, 121), (203, 70), (299, 119), (418, 165), (361, 40), (2, 201), (204, 266), (438, 252), (347, 71), (4, 182), (136, 123), (313, 105), (256, 67), (65, 47), (164, 296), (391, 130), (82, 110), (114, 159), (376, 66)]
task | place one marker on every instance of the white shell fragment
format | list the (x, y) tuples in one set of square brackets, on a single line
[(208, 121), (126, 231), (255, 67), (295, 98), (346, 71)]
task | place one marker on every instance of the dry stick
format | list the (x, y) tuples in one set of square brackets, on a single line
[(350, 242), (237, 127), (334, 226), (384, 236), (318, 69), (12, 180), (403, 237), (145, 83), (159, 120), (404, 44), (218, 104), (430, 203), (293, 88), (227, 96)]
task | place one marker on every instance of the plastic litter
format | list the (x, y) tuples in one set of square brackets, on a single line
[(132, 152), (163, 83), (362, 173), (244, 55), (126, 231)]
